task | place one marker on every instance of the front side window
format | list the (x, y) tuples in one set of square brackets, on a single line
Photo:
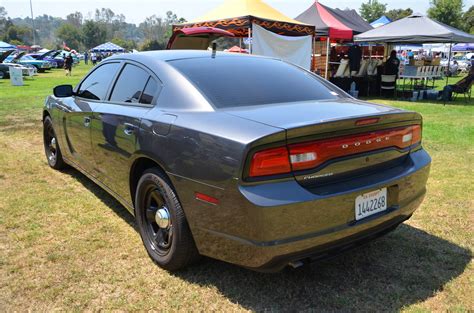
[(95, 86)]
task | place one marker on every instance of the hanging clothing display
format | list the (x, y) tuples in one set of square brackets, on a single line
[(355, 56)]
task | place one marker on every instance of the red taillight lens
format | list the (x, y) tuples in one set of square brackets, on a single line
[(308, 155), (416, 134), (270, 162)]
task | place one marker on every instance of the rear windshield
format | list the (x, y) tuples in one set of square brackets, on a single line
[(245, 81)]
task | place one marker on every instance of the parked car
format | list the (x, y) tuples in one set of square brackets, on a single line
[(63, 53), (462, 64), (49, 56), (28, 70), (4, 68), (245, 159), (26, 60)]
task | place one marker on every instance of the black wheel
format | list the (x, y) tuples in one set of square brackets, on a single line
[(161, 222), (51, 145)]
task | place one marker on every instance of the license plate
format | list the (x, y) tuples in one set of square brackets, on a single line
[(370, 203)]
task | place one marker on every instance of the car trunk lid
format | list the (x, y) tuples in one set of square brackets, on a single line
[(344, 122)]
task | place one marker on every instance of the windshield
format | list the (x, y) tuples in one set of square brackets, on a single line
[(245, 81), (27, 58)]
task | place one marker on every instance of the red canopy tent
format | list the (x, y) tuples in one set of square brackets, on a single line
[(326, 24), (333, 24)]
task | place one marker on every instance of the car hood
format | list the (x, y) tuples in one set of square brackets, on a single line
[(5, 55), (18, 56), (291, 115)]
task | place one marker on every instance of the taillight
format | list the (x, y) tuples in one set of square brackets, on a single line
[(270, 162), (308, 155)]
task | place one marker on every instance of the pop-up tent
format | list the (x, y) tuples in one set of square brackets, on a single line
[(6, 46), (108, 47), (334, 23), (415, 28), (463, 47), (237, 17), (381, 21)]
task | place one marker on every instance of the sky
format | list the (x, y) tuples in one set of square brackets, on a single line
[(136, 10)]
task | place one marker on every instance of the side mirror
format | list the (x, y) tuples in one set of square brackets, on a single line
[(63, 91)]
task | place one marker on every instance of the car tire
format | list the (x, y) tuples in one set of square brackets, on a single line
[(161, 222), (2, 75), (51, 145)]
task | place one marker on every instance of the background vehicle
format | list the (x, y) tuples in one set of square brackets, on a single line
[(463, 64), (4, 69), (246, 159), (4, 66), (50, 57), (63, 53), (26, 60)]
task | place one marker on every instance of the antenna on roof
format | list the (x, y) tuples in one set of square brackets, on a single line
[(214, 49)]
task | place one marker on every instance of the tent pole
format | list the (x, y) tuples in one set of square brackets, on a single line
[(250, 39), (447, 72), (327, 57), (370, 61), (313, 65)]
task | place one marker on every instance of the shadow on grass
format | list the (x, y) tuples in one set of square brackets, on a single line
[(404, 267), (103, 195)]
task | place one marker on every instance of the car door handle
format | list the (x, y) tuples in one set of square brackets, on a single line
[(129, 129), (87, 121)]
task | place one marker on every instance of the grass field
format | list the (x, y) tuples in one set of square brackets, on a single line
[(65, 244)]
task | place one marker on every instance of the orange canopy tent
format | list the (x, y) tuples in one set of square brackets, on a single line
[(237, 16)]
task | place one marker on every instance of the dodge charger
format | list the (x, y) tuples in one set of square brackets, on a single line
[(246, 159)]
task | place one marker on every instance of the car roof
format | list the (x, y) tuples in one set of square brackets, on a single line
[(170, 55)]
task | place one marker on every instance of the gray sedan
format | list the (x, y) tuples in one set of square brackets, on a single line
[(246, 159)]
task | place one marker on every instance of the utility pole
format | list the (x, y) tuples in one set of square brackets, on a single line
[(33, 23)]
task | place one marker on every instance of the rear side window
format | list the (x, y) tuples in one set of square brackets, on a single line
[(130, 84), (95, 86), (245, 81), (150, 91)]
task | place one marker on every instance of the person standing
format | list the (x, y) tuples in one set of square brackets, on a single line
[(392, 65), (86, 57), (68, 64), (93, 58)]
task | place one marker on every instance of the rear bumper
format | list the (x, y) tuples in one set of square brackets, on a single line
[(265, 227)]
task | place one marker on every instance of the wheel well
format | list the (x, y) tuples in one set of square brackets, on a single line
[(45, 113), (139, 166)]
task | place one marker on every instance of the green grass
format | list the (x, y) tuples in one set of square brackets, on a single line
[(65, 244)]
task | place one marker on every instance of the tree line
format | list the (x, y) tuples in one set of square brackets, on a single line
[(82, 33), (449, 12)]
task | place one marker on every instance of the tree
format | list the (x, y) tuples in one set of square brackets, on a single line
[(75, 19), (70, 35), (152, 45), (468, 20), (93, 34), (372, 10), (3, 21), (126, 44), (18, 34), (448, 12), (396, 14)]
